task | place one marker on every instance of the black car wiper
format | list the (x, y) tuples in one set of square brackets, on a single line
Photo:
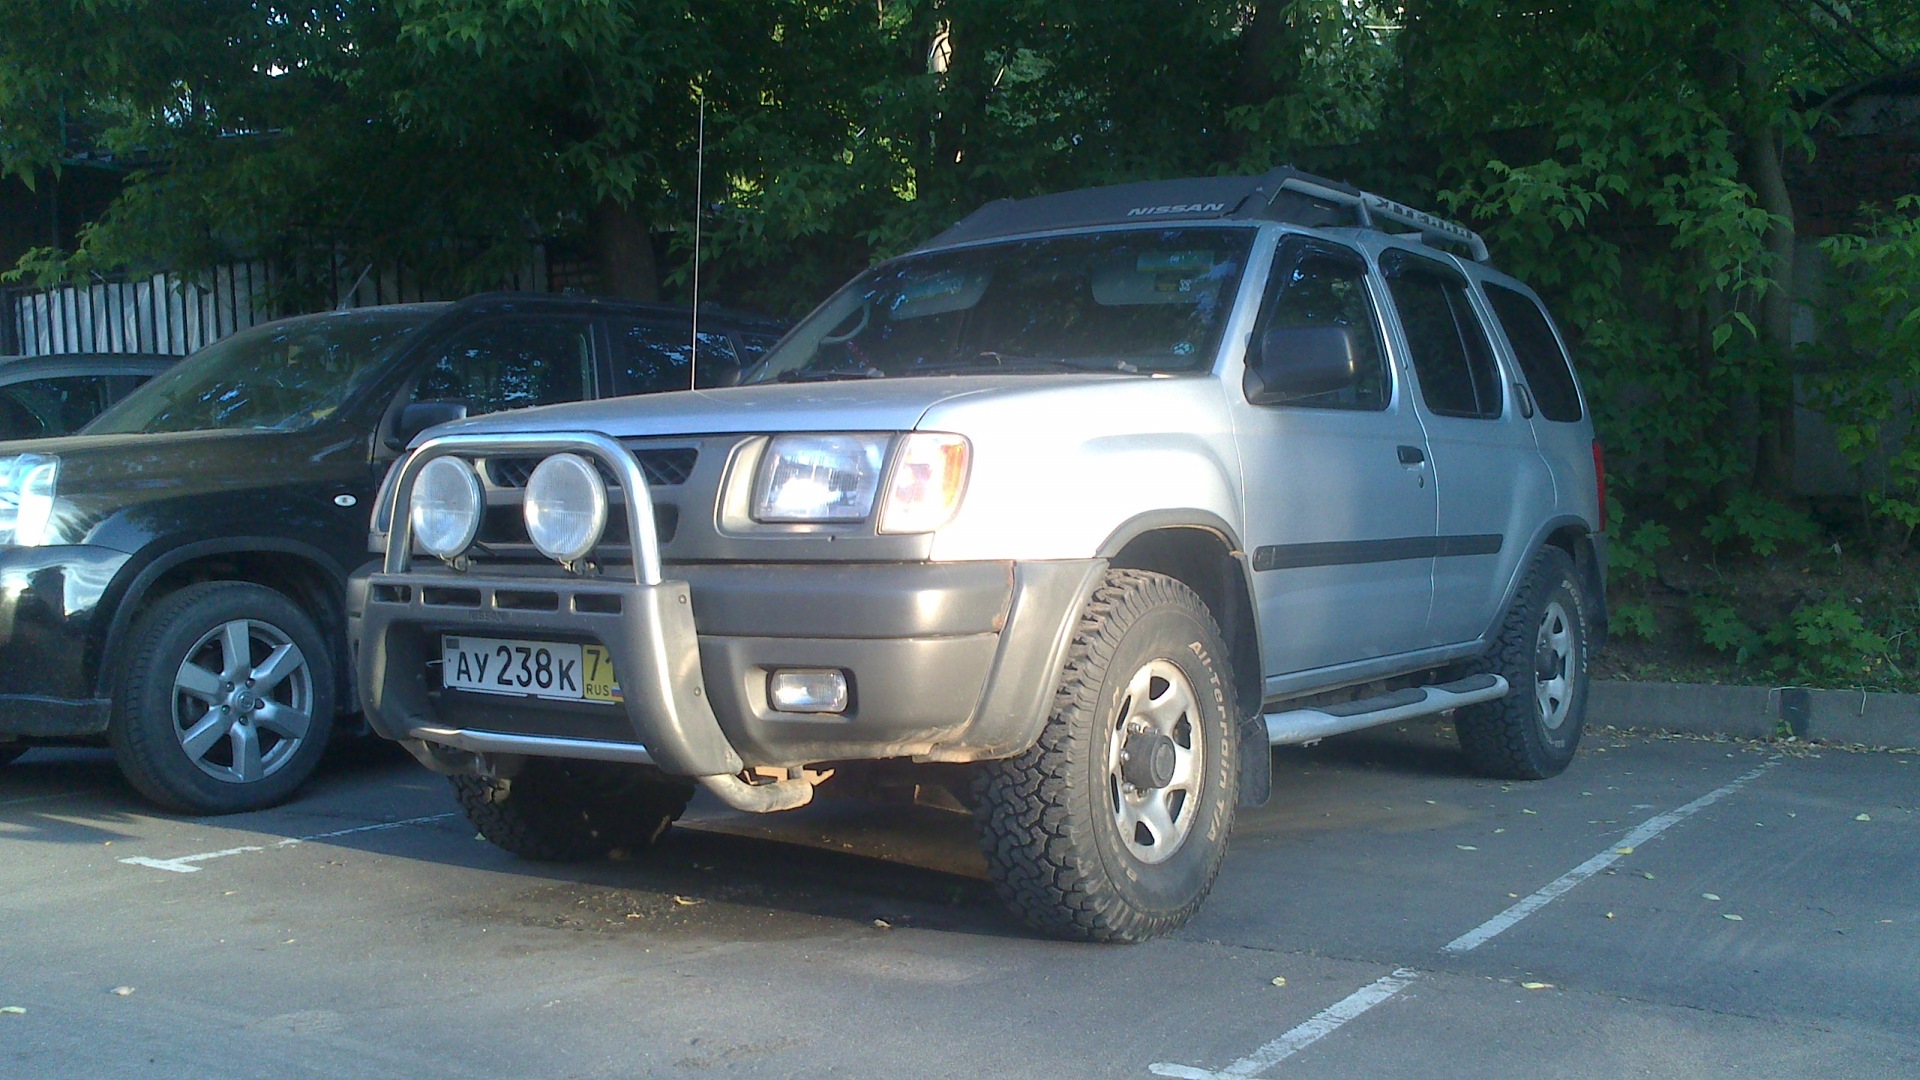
[(829, 374)]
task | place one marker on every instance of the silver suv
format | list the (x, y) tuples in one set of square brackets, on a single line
[(1073, 512)]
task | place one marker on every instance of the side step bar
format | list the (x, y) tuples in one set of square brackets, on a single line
[(1311, 725)]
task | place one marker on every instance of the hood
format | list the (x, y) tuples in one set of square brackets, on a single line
[(894, 404), (167, 463)]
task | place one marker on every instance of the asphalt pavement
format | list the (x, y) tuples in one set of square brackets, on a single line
[(1670, 907)]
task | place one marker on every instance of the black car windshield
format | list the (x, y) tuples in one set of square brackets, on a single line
[(1138, 300), (282, 376)]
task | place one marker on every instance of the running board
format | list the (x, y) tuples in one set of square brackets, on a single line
[(1312, 725)]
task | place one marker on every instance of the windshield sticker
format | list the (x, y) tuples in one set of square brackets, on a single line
[(1174, 261)]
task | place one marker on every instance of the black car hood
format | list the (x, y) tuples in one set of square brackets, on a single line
[(97, 470)]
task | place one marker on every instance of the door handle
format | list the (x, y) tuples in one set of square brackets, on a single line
[(1412, 455)]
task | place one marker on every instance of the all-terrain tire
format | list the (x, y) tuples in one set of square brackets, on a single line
[(1053, 820), (572, 811), (163, 709), (1541, 649)]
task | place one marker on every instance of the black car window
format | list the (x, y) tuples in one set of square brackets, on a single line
[(1452, 357), (1327, 289), (1542, 361), (651, 357), (56, 406), (511, 364)]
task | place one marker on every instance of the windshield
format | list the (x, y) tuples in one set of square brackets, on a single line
[(1134, 301), (282, 376)]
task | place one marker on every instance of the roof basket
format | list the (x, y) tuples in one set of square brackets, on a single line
[(1370, 209)]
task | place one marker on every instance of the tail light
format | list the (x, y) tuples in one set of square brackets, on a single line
[(1600, 481)]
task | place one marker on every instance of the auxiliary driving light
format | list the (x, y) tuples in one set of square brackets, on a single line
[(566, 507), (446, 507), (808, 690)]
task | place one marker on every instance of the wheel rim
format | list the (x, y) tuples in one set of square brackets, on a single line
[(1553, 666), (242, 701), (1155, 821)]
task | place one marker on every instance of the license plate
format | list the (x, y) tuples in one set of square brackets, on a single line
[(554, 670)]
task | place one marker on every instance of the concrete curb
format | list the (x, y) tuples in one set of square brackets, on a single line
[(1758, 712)]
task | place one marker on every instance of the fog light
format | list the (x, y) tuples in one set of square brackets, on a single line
[(808, 690)]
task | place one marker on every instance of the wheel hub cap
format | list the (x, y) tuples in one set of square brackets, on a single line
[(1155, 761), (242, 701), (1552, 665)]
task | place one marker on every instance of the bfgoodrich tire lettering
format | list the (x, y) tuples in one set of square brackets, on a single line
[(1541, 649), (1072, 841), (227, 700), (571, 811)]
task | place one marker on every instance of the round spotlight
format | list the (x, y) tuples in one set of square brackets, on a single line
[(566, 507), (446, 507)]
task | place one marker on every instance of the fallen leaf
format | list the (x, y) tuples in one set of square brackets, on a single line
[(688, 901), (1497, 832), (289, 941), (1646, 875), (1609, 914), (1279, 980), (1730, 917), (882, 924), (121, 991), (1623, 851), (1861, 817), (1536, 986), (1709, 896), (1513, 896), (1535, 813), (633, 915), (12, 1010), (1466, 847)]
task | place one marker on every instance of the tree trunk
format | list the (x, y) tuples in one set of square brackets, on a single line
[(623, 252), (1269, 67), (1760, 166)]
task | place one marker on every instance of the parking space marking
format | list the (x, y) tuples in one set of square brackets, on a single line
[(1334, 1016), (1653, 827), (189, 864), (1324, 1023)]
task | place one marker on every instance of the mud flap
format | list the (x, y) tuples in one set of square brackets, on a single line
[(1256, 762)]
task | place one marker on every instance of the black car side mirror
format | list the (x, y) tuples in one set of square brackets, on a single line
[(418, 416), (1291, 362)]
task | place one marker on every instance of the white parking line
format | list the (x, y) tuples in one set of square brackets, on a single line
[(1653, 827), (188, 864), (1330, 1019), (1324, 1023)]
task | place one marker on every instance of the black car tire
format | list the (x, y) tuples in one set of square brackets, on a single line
[(572, 811), (10, 754), (1541, 650), (166, 729), (1147, 663)]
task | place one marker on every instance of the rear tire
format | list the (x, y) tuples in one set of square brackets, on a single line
[(227, 700), (1112, 826), (1532, 733), (572, 811)]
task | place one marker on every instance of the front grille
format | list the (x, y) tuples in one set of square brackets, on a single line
[(663, 466)]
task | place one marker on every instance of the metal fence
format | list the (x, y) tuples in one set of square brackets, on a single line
[(169, 313)]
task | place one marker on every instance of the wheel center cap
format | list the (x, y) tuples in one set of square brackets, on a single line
[(243, 701), (1148, 760), (1546, 663)]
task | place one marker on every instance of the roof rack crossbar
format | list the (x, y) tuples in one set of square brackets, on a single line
[(1368, 206)]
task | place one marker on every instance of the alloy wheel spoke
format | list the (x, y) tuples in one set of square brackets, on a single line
[(1166, 710), (282, 662), (246, 753), (283, 720), (1158, 820), (1186, 769), (237, 644), (204, 735), (196, 681)]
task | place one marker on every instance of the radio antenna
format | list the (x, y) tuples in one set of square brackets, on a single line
[(699, 200)]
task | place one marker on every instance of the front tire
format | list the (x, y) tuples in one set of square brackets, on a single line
[(1113, 825), (572, 811), (1532, 733), (227, 700)]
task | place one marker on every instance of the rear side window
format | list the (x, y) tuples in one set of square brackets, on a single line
[(1452, 357), (511, 364), (1542, 361), (58, 406)]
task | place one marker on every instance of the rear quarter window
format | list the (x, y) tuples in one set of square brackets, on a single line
[(1542, 361)]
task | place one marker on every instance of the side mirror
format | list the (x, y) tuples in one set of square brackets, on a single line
[(1291, 362), (418, 416)]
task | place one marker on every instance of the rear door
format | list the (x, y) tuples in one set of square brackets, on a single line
[(1340, 510), (1491, 480)]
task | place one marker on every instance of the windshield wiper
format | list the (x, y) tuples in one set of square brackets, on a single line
[(989, 358), (829, 374)]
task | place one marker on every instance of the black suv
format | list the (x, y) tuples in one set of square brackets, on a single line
[(171, 579)]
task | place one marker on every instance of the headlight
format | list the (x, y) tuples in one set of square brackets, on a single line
[(446, 506), (566, 507), (929, 477), (26, 498), (819, 478)]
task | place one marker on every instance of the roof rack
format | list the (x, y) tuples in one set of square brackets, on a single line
[(1285, 194)]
